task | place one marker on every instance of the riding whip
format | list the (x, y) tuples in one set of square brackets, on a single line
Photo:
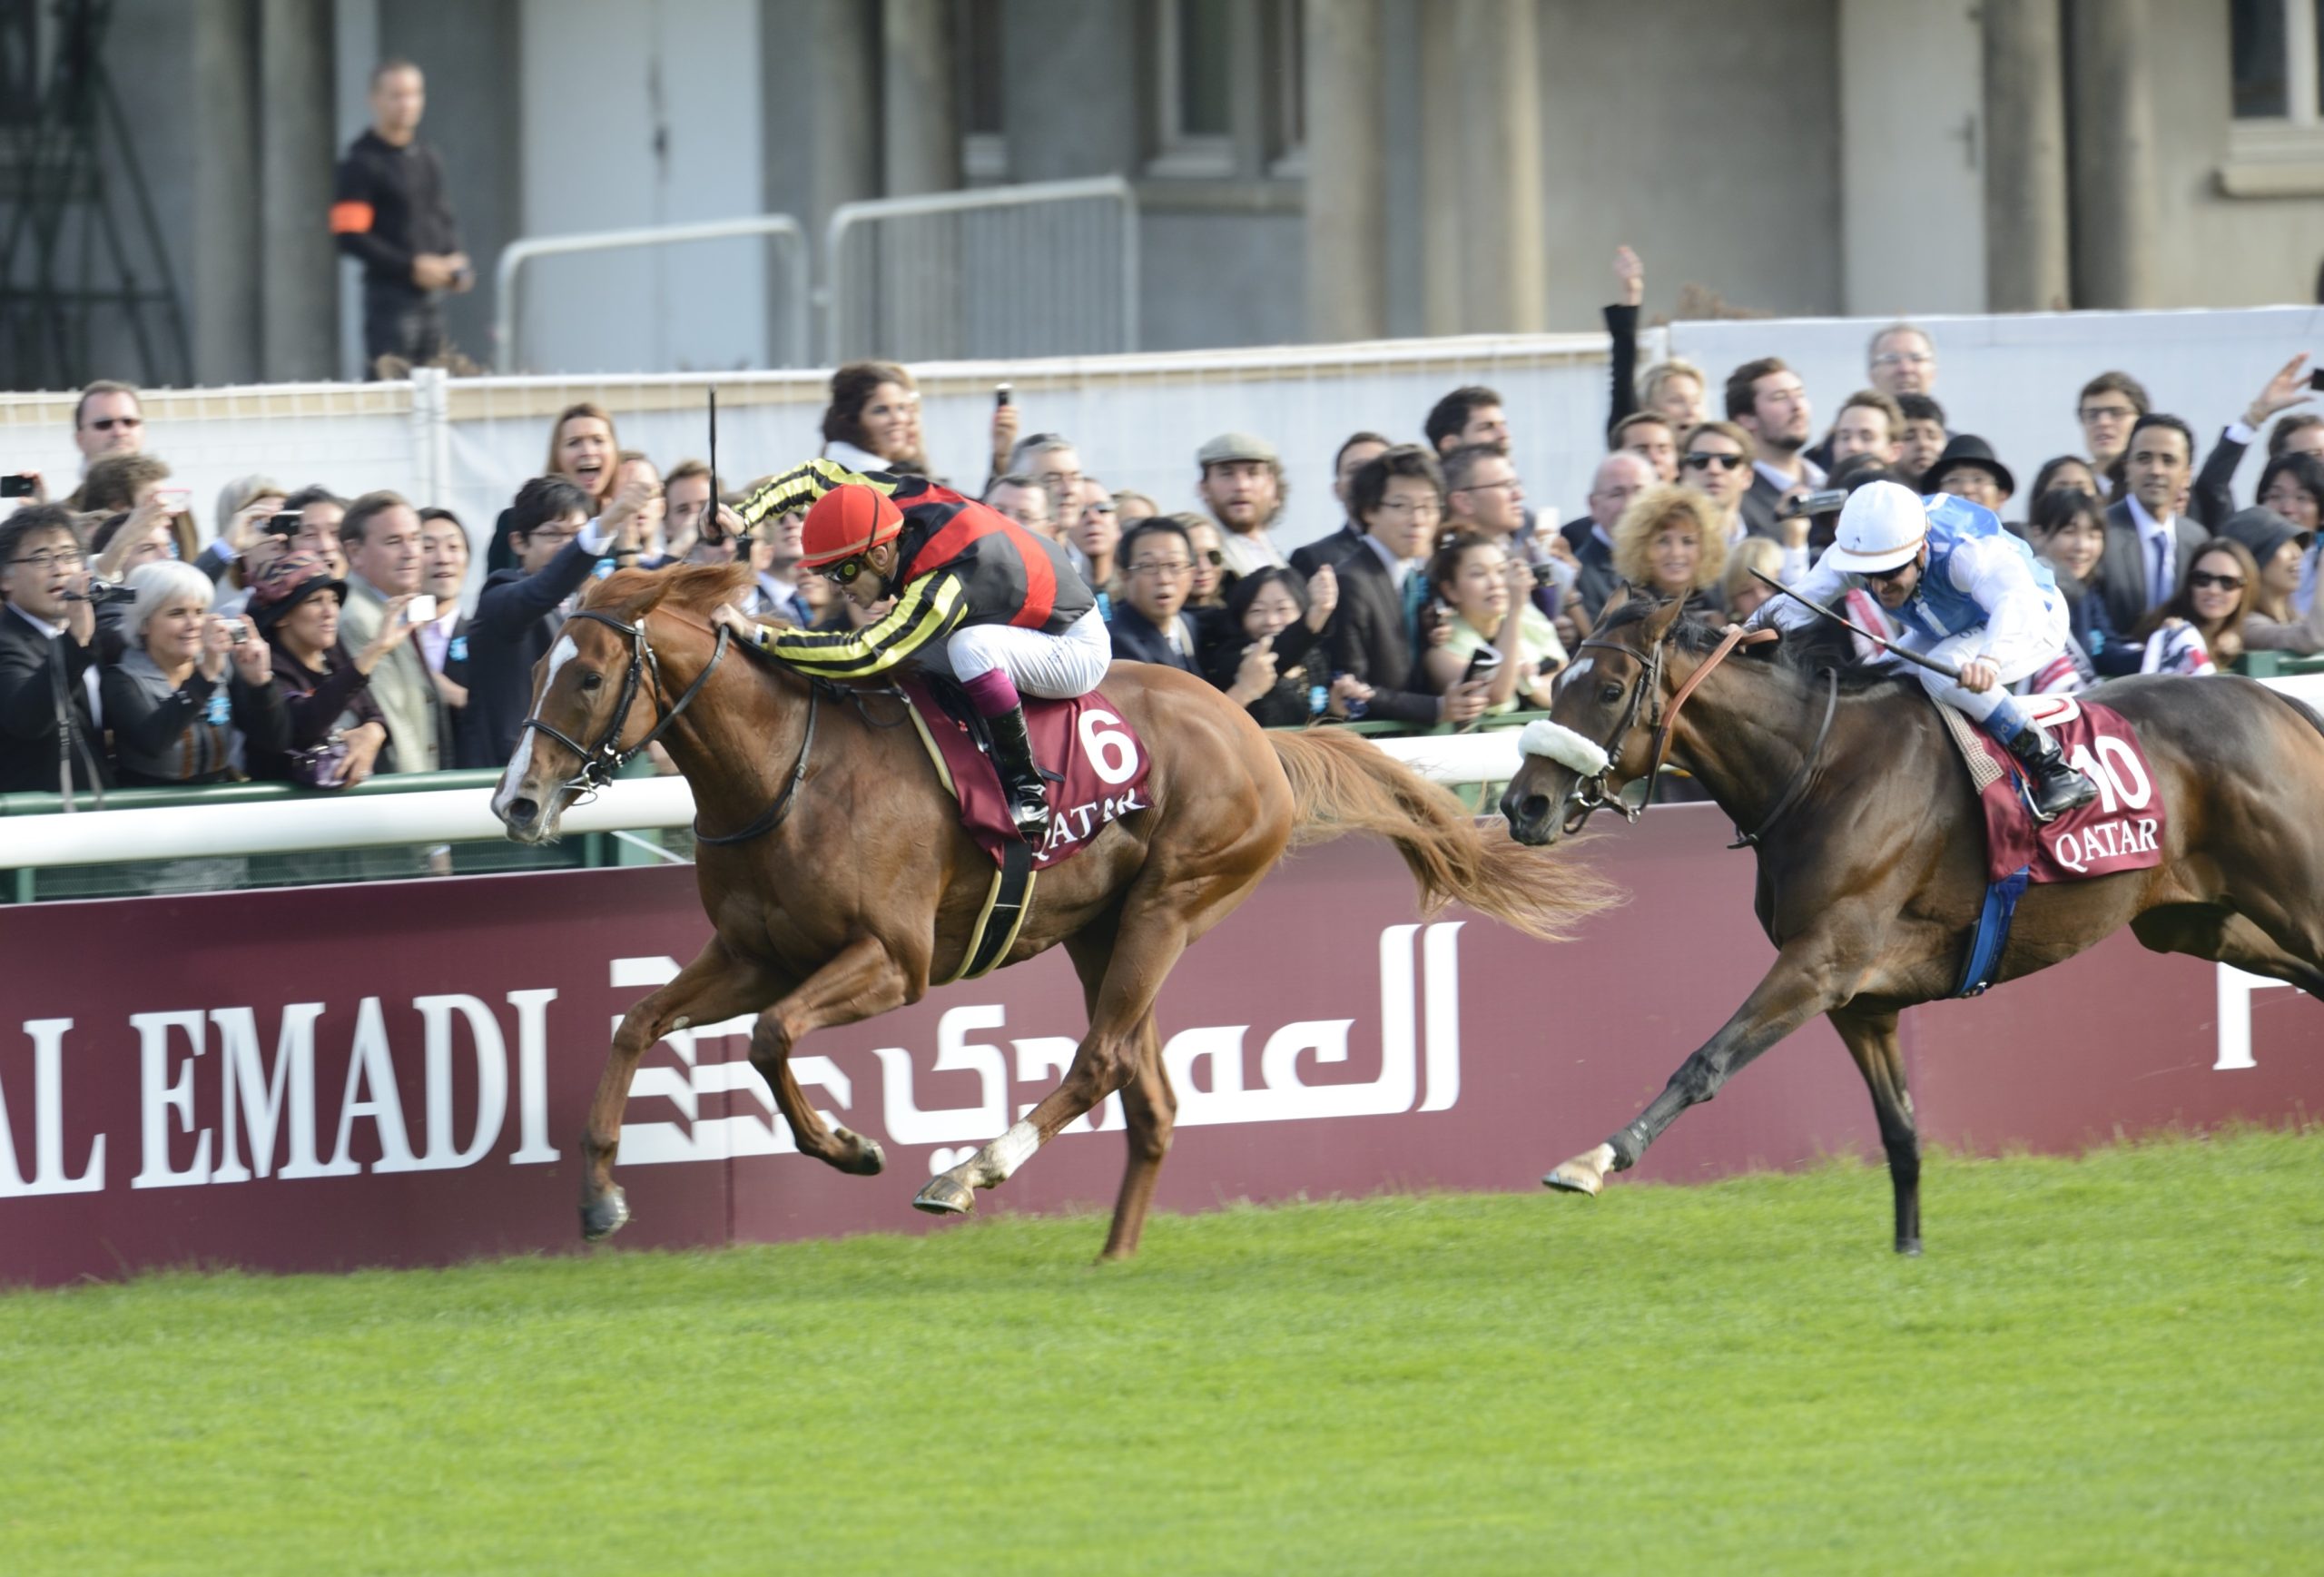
[(1882, 641)]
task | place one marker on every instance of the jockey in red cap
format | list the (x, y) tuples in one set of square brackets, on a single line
[(975, 593)]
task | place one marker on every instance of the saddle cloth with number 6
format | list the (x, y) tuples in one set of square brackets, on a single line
[(2121, 830), (1085, 742)]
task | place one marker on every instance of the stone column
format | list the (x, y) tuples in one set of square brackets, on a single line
[(1347, 180), (222, 296), (2026, 255), (2115, 175), (296, 258), (1481, 129), (920, 121)]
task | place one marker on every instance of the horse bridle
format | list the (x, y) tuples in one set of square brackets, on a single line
[(1594, 794), (602, 763)]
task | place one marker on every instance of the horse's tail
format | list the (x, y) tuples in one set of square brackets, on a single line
[(1342, 784)]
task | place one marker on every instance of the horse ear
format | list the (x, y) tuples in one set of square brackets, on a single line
[(1661, 623), (1615, 598)]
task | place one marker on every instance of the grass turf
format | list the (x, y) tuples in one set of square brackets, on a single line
[(2111, 1363)]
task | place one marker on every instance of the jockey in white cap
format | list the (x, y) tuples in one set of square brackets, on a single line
[(1969, 595)]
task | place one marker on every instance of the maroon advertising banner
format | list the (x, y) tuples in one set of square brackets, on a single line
[(395, 1073)]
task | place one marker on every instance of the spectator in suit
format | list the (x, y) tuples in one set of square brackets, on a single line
[(1399, 498), (1471, 414), (1901, 359), (1621, 477), (1670, 541), (2110, 405), (1924, 434), (555, 545), (2067, 529), (1968, 470), (326, 688), (2210, 604), (1650, 435), (1242, 485), (1870, 423), (190, 689), (2214, 498), (1718, 464), (1025, 501), (2148, 545), (1269, 655), (1359, 450), (48, 658), (1483, 495), (1149, 624), (2275, 623), (444, 639), (1765, 398), (386, 561)]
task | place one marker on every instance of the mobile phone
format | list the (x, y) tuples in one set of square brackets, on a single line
[(21, 486), (172, 499), (1481, 663), (238, 632), (1002, 394), (281, 523), (419, 610), (2315, 379)]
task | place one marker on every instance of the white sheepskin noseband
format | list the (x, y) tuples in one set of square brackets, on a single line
[(1562, 746)]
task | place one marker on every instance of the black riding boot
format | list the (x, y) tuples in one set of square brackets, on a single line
[(1020, 779), (2057, 787)]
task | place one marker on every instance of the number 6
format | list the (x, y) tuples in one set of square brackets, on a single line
[(1112, 753)]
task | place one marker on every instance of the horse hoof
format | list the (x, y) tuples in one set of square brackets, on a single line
[(945, 1196), (1585, 1174), (603, 1217), (869, 1160)]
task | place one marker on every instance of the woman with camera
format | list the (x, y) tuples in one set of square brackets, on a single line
[(336, 731), (189, 687), (1494, 632)]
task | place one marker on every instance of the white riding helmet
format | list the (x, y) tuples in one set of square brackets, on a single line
[(1883, 524)]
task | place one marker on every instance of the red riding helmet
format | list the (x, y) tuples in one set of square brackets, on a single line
[(847, 521)]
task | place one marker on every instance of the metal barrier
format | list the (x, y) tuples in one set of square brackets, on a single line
[(780, 228), (1005, 270)]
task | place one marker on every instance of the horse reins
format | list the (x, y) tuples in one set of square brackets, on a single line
[(603, 760)]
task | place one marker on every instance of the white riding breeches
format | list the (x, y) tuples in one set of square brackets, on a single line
[(2016, 658), (1057, 666)]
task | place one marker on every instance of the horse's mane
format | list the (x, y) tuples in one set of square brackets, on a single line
[(695, 588), (1803, 654)]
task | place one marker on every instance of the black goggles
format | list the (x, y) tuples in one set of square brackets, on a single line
[(845, 571)]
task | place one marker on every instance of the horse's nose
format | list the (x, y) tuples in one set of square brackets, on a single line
[(523, 811), (1529, 817)]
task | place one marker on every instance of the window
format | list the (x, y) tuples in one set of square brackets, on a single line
[(1285, 88), (981, 59), (1194, 87), (2276, 143)]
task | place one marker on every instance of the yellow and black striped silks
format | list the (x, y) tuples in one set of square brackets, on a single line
[(928, 609), (801, 485)]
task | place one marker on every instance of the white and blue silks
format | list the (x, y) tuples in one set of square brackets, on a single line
[(1982, 594)]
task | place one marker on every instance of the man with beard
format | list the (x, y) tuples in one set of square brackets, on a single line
[(1765, 398), (1242, 486)]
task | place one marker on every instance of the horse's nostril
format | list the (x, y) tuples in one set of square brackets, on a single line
[(522, 811), (1534, 808)]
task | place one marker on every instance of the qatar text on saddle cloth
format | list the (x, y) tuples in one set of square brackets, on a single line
[(2121, 830), (1086, 740)]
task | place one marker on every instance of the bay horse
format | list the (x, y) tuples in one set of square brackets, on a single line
[(1871, 844), (839, 881)]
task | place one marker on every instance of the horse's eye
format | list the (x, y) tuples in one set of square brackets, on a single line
[(592, 681), (1609, 694)]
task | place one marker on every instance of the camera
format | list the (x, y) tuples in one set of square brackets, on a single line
[(1831, 501), (19, 486), (102, 592)]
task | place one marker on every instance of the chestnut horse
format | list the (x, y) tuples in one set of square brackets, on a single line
[(852, 885), (1872, 848)]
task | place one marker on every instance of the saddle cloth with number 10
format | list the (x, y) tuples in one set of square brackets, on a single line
[(1084, 741), (2121, 830)]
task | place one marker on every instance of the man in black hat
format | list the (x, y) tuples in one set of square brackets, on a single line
[(1968, 470)]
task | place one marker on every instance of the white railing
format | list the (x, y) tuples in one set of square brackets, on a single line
[(464, 815), (946, 284), (780, 228)]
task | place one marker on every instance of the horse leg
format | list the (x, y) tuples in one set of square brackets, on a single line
[(1871, 1039), (713, 988), (1149, 1111), (1802, 984), (861, 981), (1147, 945), (2228, 938)]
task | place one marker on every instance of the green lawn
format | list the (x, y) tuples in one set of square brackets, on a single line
[(2111, 1364)]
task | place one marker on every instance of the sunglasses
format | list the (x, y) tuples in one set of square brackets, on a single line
[(1703, 462), (2204, 580), (106, 424), (1890, 573)]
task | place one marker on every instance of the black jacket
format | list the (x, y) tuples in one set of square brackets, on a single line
[(388, 206), (515, 623), (1137, 639), (2122, 570), (1333, 550), (1368, 639), (1599, 579), (1299, 667), (42, 684)]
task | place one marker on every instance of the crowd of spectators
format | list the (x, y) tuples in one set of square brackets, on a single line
[(317, 639)]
